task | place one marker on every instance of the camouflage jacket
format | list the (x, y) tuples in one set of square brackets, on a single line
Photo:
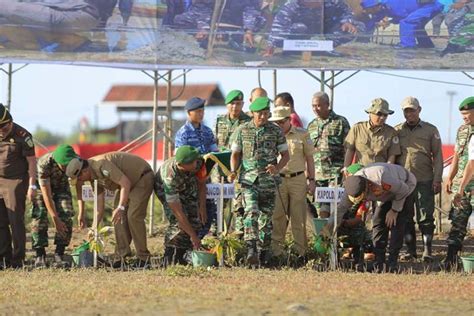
[(49, 173), (172, 184), (244, 13), (328, 138), (260, 147), (463, 136), (225, 127), (335, 12)]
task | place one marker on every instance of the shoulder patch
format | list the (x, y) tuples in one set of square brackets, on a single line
[(395, 140), (29, 142), (386, 186), (105, 173), (436, 135)]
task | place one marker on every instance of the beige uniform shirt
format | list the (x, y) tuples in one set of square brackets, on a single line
[(372, 144), (300, 146), (109, 168), (421, 151)]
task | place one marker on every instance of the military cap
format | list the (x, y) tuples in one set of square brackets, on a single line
[(352, 169), (63, 154), (355, 188), (186, 154), (379, 105), (280, 113), (260, 104), (369, 3), (194, 104), (234, 95), (467, 104), (410, 103), (74, 167), (5, 116)]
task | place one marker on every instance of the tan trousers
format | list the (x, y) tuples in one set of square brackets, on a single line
[(133, 226), (290, 206)]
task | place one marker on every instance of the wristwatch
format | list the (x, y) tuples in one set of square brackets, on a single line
[(121, 207), (33, 187)]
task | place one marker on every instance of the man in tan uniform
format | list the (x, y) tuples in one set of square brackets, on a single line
[(297, 180), (373, 140), (17, 181), (422, 155), (134, 178)]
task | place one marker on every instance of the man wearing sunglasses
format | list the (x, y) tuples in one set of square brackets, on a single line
[(17, 181)]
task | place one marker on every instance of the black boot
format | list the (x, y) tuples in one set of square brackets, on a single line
[(410, 242), (427, 246), (252, 254), (379, 264), (170, 257), (451, 261), (452, 49), (358, 255), (392, 265)]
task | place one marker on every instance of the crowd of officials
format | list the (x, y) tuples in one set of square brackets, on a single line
[(390, 176)]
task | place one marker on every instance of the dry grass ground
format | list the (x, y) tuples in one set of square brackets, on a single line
[(233, 292)]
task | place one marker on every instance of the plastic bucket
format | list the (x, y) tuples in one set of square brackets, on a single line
[(319, 223), (203, 259), (78, 254), (468, 264)]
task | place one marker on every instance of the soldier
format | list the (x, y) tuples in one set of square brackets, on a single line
[(460, 23), (255, 149), (297, 181), (462, 209), (198, 135), (180, 185), (241, 13), (55, 199), (412, 15), (133, 178), (285, 99), (422, 155), (373, 140), (299, 19), (392, 185), (226, 125), (327, 131), (257, 93), (17, 181)]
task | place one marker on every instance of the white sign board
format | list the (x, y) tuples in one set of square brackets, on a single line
[(328, 194), (88, 194), (213, 191), (308, 45)]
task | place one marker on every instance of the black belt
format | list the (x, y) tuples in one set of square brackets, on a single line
[(291, 175)]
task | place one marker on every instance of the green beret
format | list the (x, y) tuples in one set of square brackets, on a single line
[(234, 94), (260, 104), (63, 154), (186, 154), (467, 104), (352, 169)]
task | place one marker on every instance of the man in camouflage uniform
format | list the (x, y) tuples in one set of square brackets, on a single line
[(327, 131), (225, 126), (255, 149), (301, 19), (422, 155), (242, 13), (460, 23), (180, 185), (54, 198), (462, 209)]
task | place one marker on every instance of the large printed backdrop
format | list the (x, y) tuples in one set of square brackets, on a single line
[(151, 34)]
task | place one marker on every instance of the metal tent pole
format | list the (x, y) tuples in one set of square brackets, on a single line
[(153, 146), (169, 113), (213, 28), (275, 84)]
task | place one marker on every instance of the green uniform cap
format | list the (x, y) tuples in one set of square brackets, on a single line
[(63, 154), (260, 104), (234, 95), (467, 104), (352, 169), (186, 154)]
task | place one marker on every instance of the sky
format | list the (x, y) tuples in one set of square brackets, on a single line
[(55, 97)]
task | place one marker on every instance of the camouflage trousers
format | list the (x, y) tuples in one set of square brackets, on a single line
[(39, 221), (176, 237), (258, 200), (459, 217)]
